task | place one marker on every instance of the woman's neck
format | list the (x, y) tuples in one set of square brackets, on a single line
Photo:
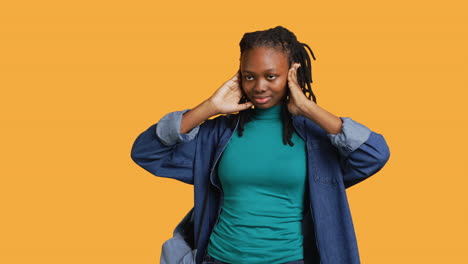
[(273, 112)]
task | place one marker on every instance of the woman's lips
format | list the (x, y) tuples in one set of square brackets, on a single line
[(262, 100)]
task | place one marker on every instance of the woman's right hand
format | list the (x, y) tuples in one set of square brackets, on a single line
[(226, 99)]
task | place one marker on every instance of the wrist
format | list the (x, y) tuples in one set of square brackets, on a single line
[(308, 109), (210, 107)]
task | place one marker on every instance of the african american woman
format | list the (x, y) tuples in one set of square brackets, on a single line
[(270, 170)]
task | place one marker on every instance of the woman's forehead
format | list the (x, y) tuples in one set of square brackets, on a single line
[(264, 58)]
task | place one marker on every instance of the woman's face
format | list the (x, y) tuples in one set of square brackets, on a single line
[(264, 76)]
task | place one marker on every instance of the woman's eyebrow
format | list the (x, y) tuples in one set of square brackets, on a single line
[(267, 70)]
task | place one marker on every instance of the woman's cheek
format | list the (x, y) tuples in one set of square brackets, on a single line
[(279, 83), (245, 87)]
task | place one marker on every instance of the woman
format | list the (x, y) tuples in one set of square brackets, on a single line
[(270, 171)]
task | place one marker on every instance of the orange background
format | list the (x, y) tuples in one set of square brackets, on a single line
[(81, 80)]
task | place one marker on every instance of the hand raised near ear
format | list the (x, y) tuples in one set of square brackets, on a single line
[(297, 99), (226, 98)]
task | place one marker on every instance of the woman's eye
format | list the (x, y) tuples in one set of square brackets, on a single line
[(269, 77)]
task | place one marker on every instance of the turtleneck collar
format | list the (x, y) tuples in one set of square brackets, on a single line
[(273, 112)]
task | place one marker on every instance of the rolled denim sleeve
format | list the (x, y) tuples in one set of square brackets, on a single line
[(351, 136), (168, 129)]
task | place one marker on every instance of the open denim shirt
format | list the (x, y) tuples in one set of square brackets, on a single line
[(334, 163)]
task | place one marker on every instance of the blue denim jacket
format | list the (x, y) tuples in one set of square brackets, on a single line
[(335, 162)]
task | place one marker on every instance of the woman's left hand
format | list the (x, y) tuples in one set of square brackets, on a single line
[(297, 100)]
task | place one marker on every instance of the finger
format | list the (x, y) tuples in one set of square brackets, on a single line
[(232, 83), (245, 106), (291, 78), (295, 74), (296, 66), (292, 83), (290, 73), (235, 76)]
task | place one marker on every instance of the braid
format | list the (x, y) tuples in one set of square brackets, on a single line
[(278, 37)]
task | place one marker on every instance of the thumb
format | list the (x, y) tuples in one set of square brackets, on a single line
[(245, 105)]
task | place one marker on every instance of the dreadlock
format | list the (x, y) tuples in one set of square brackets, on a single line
[(296, 52)]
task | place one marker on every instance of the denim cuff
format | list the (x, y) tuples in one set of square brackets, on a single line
[(351, 136), (168, 129)]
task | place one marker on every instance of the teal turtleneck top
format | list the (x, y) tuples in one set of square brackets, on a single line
[(263, 182)]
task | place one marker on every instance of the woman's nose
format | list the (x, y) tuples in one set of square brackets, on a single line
[(260, 86)]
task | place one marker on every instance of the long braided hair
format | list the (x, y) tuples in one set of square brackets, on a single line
[(278, 37)]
